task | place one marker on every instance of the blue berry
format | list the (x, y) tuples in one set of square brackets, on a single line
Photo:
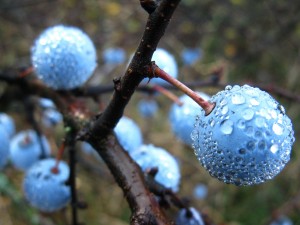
[(25, 149), (4, 146), (147, 107), (182, 118), (63, 57), (51, 117), (282, 220), (189, 217), (246, 139), (149, 156), (200, 191), (129, 134), (8, 124), (114, 56), (165, 61), (44, 189), (191, 55), (46, 103)]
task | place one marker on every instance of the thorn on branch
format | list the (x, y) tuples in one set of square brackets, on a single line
[(149, 5)]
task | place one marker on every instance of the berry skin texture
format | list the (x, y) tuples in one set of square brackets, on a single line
[(191, 217), (165, 61), (149, 156), (147, 108), (128, 134), (44, 189), (25, 149), (246, 139), (63, 57), (4, 146), (8, 124), (182, 118)]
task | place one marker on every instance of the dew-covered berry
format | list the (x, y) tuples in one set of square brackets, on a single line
[(182, 117), (246, 139), (63, 57), (4, 146), (7, 122), (45, 189), (114, 56), (129, 134), (149, 156), (165, 61), (147, 108), (25, 149), (189, 216)]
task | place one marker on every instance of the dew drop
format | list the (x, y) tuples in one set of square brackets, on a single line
[(237, 99), (248, 114), (226, 126), (242, 151), (274, 148), (250, 145), (254, 102), (224, 109), (277, 129), (249, 130), (258, 134), (228, 87), (241, 124), (260, 122), (261, 145), (281, 109)]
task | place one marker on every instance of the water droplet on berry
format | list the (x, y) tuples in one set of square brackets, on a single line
[(224, 109), (260, 122), (241, 124), (254, 102), (237, 99), (226, 126), (261, 145), (242, 151), (248, 114), (274, 148), (228, 87), (278, 129), (250, 145)]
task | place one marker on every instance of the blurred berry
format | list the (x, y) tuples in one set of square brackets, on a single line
[(189, 217), (191, 55), (4, 146), (149, 156), (129, 134), (114, 56), (44, 189), (25, 149), (8, 124), (147, 108), (200, 191)]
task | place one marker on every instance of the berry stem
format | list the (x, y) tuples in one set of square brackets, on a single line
[(206, 105), (59, 155), (167, 93)]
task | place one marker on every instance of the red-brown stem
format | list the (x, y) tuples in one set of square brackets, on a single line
[(206, 105), (167, 93), (26, 72), (59, 155)]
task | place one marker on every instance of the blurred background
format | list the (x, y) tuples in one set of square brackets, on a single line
[(256, 43)]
